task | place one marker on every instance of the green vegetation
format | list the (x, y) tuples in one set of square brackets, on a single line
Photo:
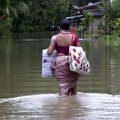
[(113, 21), (111, 40), (32, 15), (40, 15), (11, 15)]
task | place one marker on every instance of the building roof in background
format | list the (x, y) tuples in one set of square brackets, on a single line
[(74, 17), (90, 5)]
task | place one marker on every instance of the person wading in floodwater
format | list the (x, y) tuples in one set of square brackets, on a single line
[(60, 42)]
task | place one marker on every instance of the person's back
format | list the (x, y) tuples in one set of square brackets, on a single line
[(61, 42)]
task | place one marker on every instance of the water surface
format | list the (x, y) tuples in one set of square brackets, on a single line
[(84, 106), (25, 95)]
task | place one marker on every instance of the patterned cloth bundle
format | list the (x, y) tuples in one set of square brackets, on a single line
[(78, 61)]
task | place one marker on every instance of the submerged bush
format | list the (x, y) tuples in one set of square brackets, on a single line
[(117, 26), (5, 25), (112, 40)]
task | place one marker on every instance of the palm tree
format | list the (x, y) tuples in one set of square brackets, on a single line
[(18, 12), (12, 11)]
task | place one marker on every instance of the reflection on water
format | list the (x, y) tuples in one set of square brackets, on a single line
[(20, 66), (20, 75), (84, 106)]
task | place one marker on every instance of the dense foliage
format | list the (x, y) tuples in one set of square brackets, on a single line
[(115, 16), (32, 15), (115, 9), (36, 15)]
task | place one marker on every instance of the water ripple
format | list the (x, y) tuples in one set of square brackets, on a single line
[(84, 106)]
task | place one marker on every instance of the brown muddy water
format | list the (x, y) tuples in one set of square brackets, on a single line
[(25, 95)]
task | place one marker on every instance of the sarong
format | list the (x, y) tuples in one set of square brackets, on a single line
[(66, 78)]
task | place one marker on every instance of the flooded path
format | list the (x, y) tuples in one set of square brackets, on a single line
[(25, 95), (84, 106)]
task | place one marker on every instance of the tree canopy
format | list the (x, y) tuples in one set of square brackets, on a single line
[(36, 15)]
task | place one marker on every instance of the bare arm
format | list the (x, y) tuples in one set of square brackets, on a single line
[(51, 46), (50, 49)]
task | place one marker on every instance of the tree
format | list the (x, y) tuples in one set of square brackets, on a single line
[(86, 21), (19, 10), (11, 12), (114, 10), (33, 15)]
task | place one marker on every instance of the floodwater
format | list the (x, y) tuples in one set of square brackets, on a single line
[(25, 95)]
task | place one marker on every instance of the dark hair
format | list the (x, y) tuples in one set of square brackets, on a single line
[(64, 24), (55, 28)]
